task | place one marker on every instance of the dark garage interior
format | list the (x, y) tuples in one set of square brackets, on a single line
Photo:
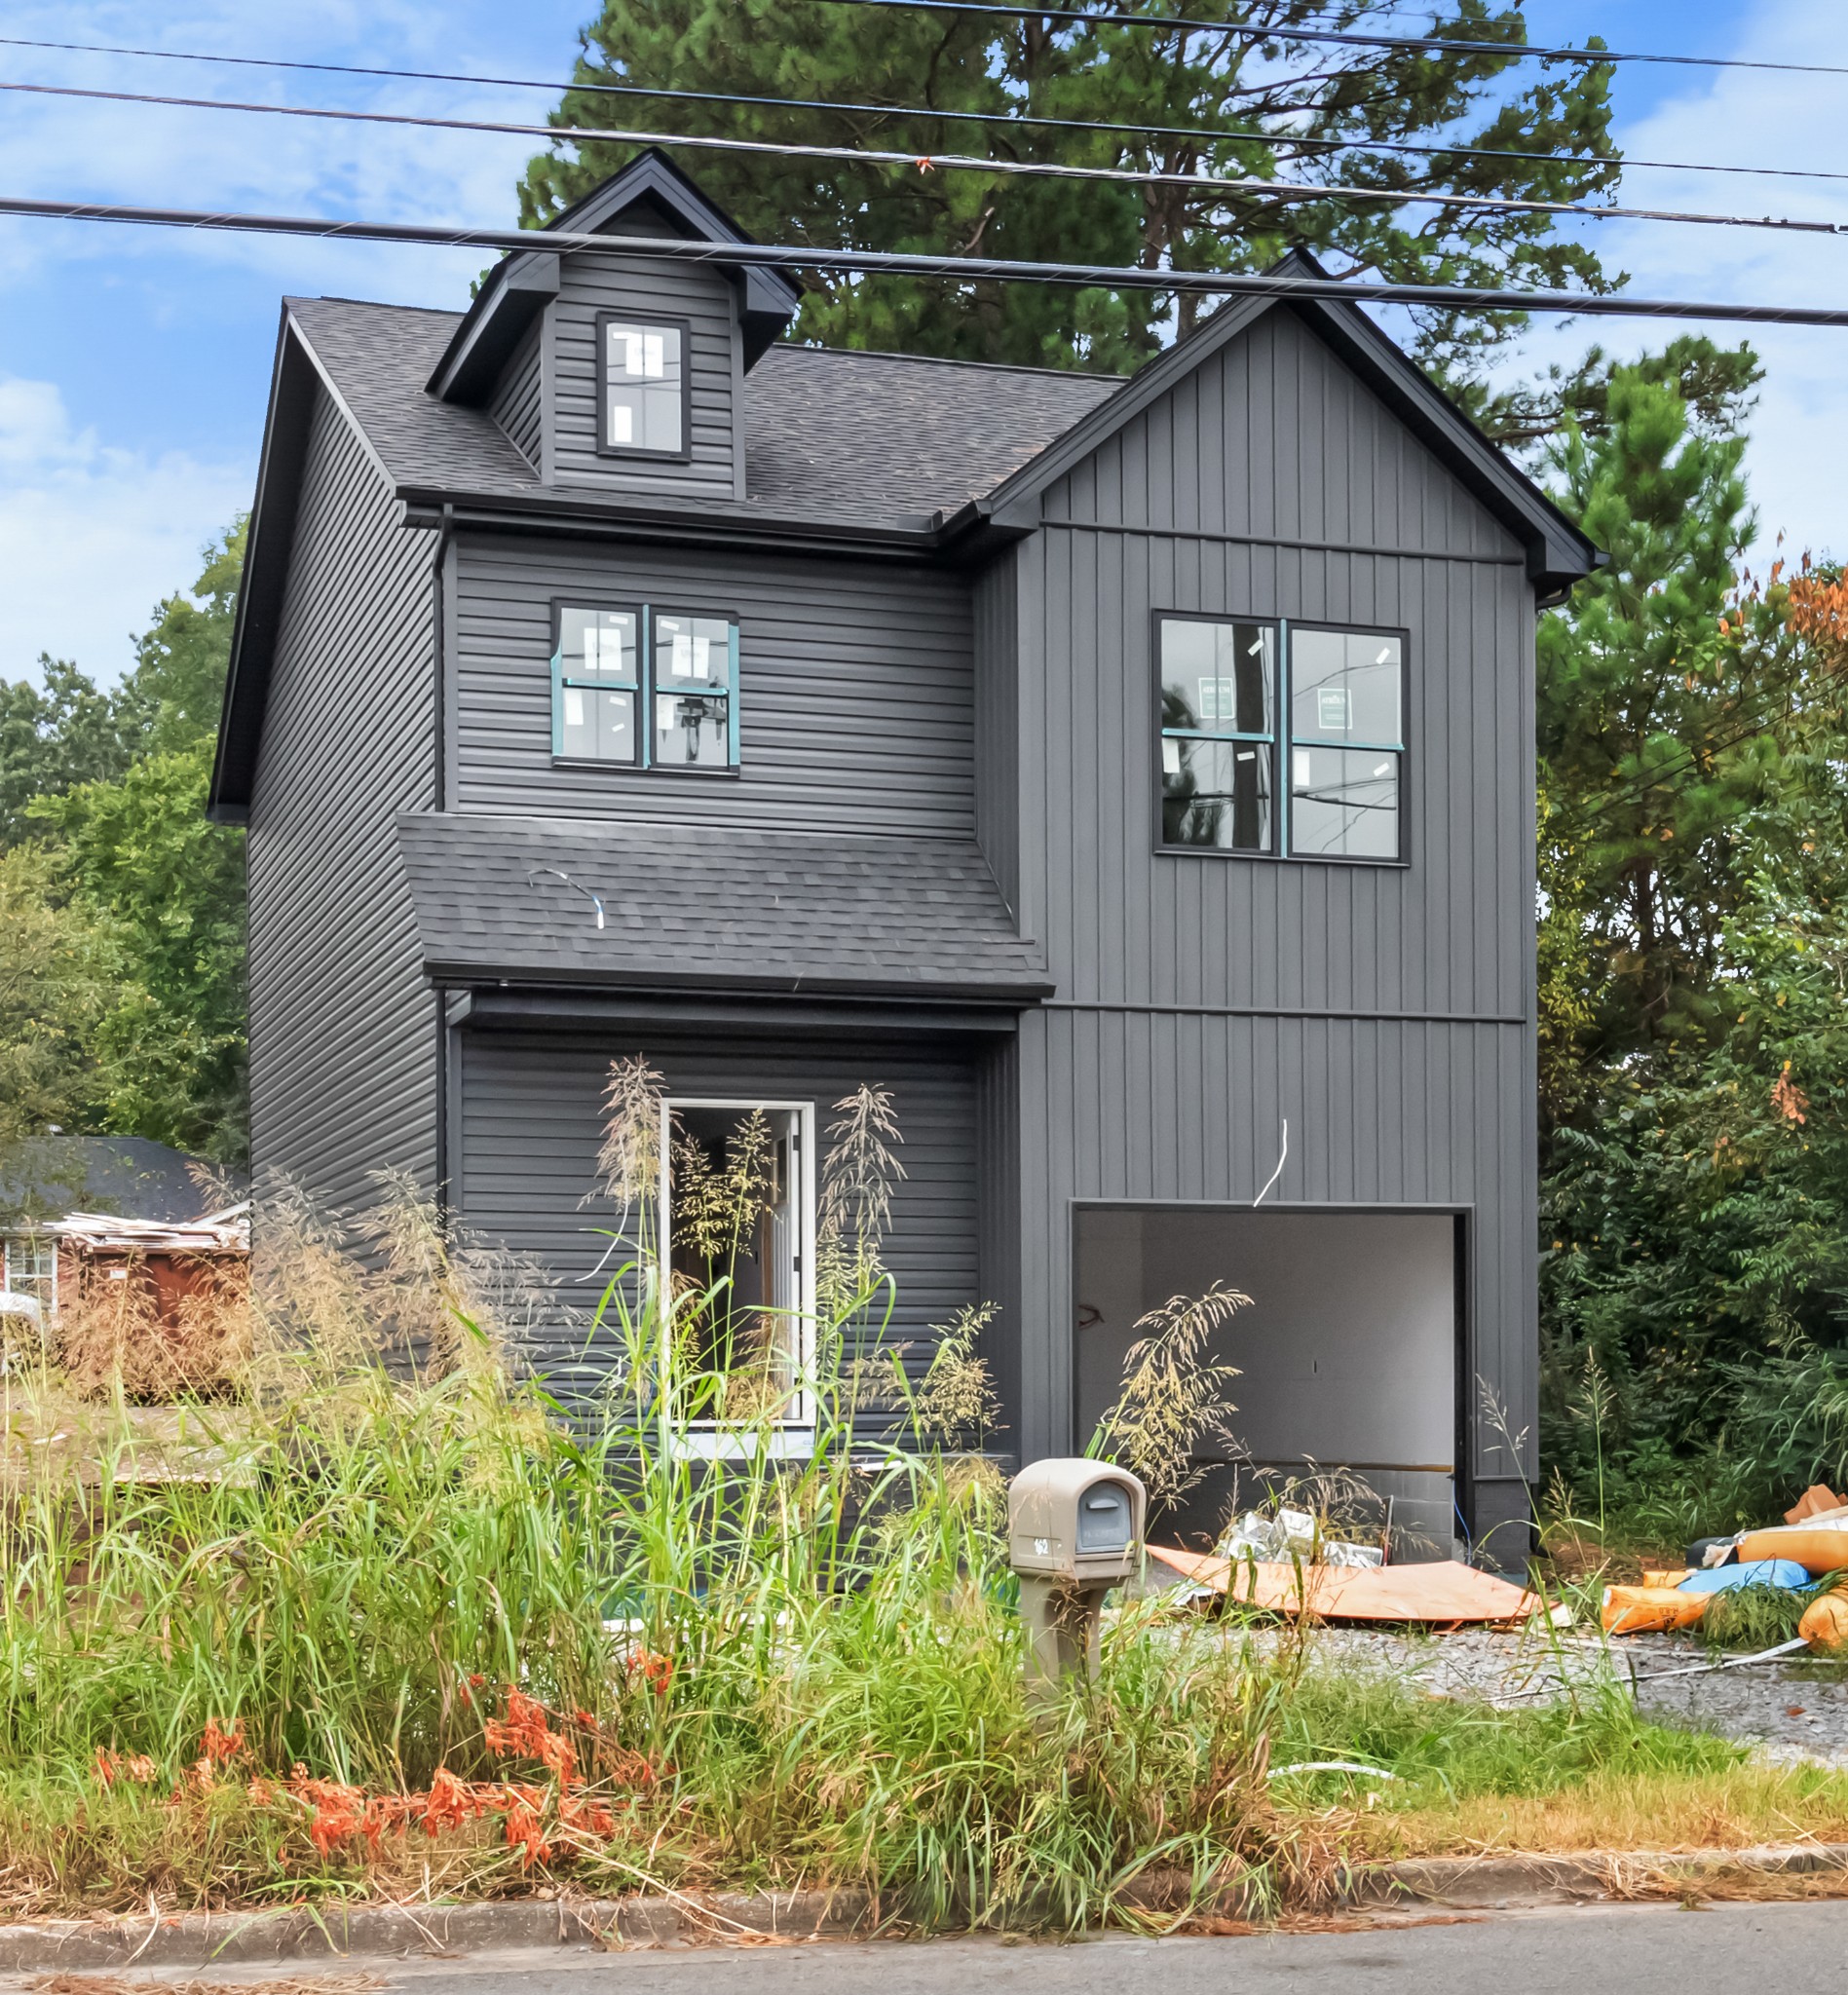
[(1347, 1354)]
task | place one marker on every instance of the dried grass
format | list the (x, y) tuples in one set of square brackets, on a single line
[(1617, 1809), (114, 1334), (1174, 1394)]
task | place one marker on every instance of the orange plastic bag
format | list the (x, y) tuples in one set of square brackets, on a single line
[(1670, 1580), (1816, 1548), (1825, 1622), (1648, 1609)]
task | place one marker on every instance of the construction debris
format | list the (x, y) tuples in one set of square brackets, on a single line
[(1810, 1544), (1443, 1593)]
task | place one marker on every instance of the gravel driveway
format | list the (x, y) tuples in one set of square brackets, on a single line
[(1797, 1710)]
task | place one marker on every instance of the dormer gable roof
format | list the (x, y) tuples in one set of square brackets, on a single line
[(1558, 553), (648, 196)]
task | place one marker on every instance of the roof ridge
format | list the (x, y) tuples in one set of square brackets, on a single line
[(371, 304), (939, 360)]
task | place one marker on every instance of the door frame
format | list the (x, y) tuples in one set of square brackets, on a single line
[(798, 1426)]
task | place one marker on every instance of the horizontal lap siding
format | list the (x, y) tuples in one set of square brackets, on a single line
[(855, 688), (591, 283), (518, 403), (531, 1125), (343, 1049)]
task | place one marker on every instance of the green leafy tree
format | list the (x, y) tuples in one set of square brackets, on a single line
[(54, 976), (173, 693), (1665, 699), (54, 736), (123, 1003), (1247, 73), (167, 886)]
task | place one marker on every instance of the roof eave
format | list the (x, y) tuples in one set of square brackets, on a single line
[(264, 578), (1024, 989), (1558, 553), (521, 511), (515, 293)]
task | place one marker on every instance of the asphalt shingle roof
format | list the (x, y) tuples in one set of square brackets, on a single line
[(880, 437), (711, 906)]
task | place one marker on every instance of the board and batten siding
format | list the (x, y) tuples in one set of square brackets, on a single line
[(530, 1126), (854, 687), (590, 284), (1386, 1011), (343, 1027)]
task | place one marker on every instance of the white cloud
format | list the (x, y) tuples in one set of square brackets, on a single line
[(91, 536), (1748, 117)]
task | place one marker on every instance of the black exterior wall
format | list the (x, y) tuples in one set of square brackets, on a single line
[(946, 582)]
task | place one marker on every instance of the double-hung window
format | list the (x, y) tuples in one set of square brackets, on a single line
[(638, 686), (643, 387), (1280, 739)]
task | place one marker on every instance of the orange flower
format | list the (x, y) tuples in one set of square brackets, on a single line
[(450, 1802), (219, 1746)]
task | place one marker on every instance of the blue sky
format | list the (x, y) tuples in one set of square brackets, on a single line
[(133, 364)]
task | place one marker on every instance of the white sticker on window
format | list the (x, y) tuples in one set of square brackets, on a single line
[(574, 707), (1334, 709), (1301, 763), (682, 655), (1171, 758), (621, 423), (1218, 704)]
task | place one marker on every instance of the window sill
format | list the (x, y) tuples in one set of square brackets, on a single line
[(1282, 858), (590, 764), (794, 1443)]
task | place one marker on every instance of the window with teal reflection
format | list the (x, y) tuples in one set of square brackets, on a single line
[(1334, 761)]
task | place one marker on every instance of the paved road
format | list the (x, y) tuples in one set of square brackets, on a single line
[(1777, 1949)]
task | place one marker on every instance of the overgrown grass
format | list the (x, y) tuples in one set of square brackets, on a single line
[(414, 1629)]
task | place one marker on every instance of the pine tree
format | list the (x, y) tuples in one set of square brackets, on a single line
[(1249, 76)]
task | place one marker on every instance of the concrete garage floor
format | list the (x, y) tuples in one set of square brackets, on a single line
[(1793, 1949)]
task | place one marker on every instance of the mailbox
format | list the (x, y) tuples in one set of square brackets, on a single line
[(1075, 1520), (1074, 1532)]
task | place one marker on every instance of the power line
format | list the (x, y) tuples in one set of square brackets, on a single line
[(1309, 192), (1003, 119), (958, 269), (1438, 43)]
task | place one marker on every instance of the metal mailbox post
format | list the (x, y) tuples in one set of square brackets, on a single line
[(1074, 1532)]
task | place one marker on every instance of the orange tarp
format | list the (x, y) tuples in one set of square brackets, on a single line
[(1444, 1591)]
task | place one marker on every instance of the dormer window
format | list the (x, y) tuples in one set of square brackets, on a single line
[(643, 387)]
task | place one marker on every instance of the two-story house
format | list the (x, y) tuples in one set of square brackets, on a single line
[(1117, 771)]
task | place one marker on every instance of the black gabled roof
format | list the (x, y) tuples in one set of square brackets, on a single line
[(652, 188), (876, 439), (1558, 553), (711, 907)]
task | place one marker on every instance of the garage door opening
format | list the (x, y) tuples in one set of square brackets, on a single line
[(1347, 1355)]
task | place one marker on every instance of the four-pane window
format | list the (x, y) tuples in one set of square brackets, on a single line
[(645, 688), (1280, 739)]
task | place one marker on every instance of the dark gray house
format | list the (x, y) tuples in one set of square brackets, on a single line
[(1117, 770)]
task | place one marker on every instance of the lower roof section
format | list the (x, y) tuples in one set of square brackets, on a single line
[(647, 906)]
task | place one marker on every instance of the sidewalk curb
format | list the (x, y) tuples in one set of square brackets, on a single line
[(194, 1939)]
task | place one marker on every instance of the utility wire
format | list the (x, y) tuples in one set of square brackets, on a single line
[(1003, 120), (1308, 192), (963, 269), (1518, 52)]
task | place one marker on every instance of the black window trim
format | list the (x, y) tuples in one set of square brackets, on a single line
[(603, 447), (1281, 738), (645, 609)]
